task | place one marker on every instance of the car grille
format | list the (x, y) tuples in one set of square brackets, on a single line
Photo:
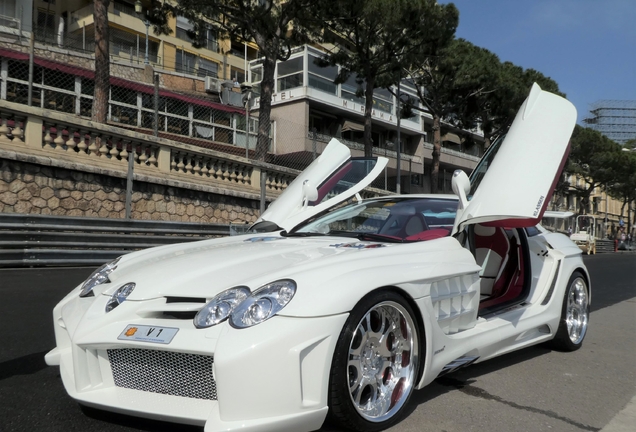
[(170, 373)]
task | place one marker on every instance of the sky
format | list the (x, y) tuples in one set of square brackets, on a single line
[(587, 46)]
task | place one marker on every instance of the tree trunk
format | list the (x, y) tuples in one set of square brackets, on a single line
[(584, 202), (102, 62), (485, 126), (368, 109), (265, 106), (437, 145)]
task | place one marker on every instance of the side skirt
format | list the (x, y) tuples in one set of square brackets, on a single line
[(458, 363)]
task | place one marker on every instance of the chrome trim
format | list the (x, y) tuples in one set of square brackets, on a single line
[(383, 358)]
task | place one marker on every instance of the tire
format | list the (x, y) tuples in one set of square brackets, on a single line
[(575, 315), (375, 365)]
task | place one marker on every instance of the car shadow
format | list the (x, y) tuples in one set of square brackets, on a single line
[(462, 379), (25, 365)]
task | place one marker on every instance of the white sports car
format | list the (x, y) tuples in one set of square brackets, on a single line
[(328, 311)]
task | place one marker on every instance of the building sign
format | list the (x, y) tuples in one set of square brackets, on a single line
[(333, 100), (352, 106), (283, 96)]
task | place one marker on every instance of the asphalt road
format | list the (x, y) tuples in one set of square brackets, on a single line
[(530, 390)]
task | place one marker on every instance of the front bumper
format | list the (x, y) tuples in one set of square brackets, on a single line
[(270, 377)]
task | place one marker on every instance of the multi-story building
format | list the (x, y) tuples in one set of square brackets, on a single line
[(198, 100), (616, 119)]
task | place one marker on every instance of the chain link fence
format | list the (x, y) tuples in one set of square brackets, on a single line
[(174, 102)]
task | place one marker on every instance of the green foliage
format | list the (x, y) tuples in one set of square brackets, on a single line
[(623, 186), (375, 38), (593, 158), (274, 26), (486, 92), (266, 23)]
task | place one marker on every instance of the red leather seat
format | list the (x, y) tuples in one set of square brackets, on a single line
[(491, 253)]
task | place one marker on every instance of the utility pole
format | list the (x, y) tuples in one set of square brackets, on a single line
[(399, 144)]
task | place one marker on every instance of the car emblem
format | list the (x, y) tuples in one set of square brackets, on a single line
[(131, 331)]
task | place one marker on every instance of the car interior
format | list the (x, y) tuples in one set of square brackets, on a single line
[(504, 274)]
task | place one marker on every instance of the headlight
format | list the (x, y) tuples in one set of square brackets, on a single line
[(263, 303), (119, 296), (98, 277), (220, 307)]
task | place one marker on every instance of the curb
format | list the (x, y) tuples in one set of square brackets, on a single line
[(625, 420)]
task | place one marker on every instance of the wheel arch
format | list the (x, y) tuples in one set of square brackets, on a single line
[(419, 319), (586, 276)]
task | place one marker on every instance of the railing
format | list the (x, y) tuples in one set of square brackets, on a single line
[(67, 138), (11, 22), (40, 240), (454, 152), (321, 138)]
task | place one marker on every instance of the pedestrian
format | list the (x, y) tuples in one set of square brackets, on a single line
[(569, 231)]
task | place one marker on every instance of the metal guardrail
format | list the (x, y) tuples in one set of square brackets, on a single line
[(43, 240), (604, 246)]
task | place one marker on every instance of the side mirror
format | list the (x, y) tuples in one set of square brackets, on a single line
[(461, 187), (310, 193)]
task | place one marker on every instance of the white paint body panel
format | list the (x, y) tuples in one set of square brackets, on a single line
[(292, 208), (274, 376), (519, 181)]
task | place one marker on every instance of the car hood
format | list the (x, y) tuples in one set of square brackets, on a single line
[(205, 268)]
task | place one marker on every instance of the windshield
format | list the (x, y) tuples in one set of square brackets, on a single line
[(584, 223), (480, 171), (397, 219)]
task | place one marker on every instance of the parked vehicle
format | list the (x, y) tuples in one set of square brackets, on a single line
[(334, 311), (585, 235)]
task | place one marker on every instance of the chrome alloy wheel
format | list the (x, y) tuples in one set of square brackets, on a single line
[(576, 312), (383, 358)]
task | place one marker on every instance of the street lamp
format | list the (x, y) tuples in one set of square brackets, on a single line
[(399, 145), (398, 112), (139, 10), (246, 90)]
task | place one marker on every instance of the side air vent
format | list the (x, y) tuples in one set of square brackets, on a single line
[(548, 296)]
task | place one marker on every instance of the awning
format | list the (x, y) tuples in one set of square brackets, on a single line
[(71, 70), (454, 138), (13, 54), (352, 126)]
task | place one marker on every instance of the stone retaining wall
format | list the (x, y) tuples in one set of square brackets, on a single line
[(33, 189)]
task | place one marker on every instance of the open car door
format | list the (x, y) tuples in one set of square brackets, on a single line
[(513, 183), (332, 178)]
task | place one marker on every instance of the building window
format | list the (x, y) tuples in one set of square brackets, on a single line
[(183, 26), (322, 78), (124, 7), (211, 40), (208, 68), (237, 49), (238, 75), (185, 62), (290, 74), (256, 76), (45, 24), (7, 8), (349, 90), (383, 100)]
